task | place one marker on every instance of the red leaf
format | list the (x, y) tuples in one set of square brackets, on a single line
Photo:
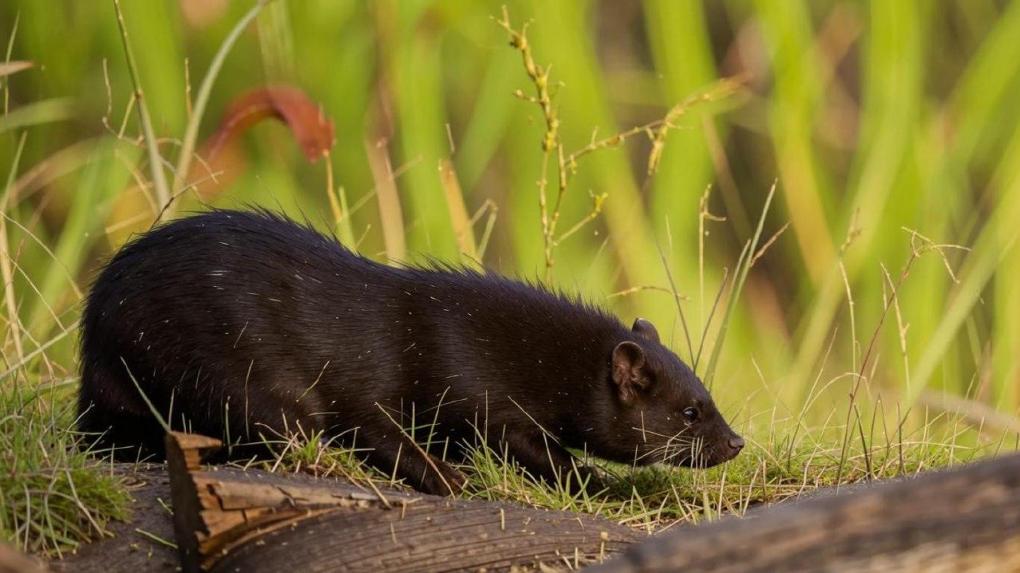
[(309, 125)]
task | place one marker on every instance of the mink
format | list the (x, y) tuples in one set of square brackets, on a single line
[(249, 326)]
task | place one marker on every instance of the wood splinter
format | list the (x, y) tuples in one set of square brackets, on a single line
[(213, 514)]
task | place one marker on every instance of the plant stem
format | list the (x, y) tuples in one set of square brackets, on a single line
[(202, 98), (151, 145)]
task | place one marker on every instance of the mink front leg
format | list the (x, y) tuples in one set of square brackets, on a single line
[(422, 471), (543, 458)]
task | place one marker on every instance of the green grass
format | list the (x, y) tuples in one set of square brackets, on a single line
[(782, 461), (52, 496), (854, 348)]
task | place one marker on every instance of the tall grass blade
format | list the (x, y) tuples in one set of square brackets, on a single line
[(159, 182), (747, 258), (190, 138), (462, 228), (37, 113), (390, 212)]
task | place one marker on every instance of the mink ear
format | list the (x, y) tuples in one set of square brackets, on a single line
[(646, 329), (628, 369)]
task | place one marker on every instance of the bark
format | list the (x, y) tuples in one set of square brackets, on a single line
[(229, 521), (966, 519)]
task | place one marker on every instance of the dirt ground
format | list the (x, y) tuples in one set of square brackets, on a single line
[(133, 547)]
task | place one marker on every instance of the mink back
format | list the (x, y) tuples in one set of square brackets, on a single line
[(245, 323)]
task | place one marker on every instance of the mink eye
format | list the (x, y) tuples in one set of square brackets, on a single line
[(691, 414)]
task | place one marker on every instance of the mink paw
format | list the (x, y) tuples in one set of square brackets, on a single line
[(447, 481)]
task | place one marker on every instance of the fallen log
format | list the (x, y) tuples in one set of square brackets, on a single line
[(228, 521), (964, 519)]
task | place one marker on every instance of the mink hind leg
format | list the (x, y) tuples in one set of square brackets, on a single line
[(393, 453), (113, 417)]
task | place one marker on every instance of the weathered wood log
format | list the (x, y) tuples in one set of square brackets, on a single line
[(226, 521), (965, 519), (11, 561)]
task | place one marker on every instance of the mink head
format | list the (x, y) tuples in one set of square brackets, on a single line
[(662, 411)]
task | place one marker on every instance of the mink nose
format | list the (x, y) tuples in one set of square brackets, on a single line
[(737, 443)]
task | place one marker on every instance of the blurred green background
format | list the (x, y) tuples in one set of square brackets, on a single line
[(875, 119)]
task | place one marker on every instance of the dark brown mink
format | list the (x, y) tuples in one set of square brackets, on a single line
[(247, 326)]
